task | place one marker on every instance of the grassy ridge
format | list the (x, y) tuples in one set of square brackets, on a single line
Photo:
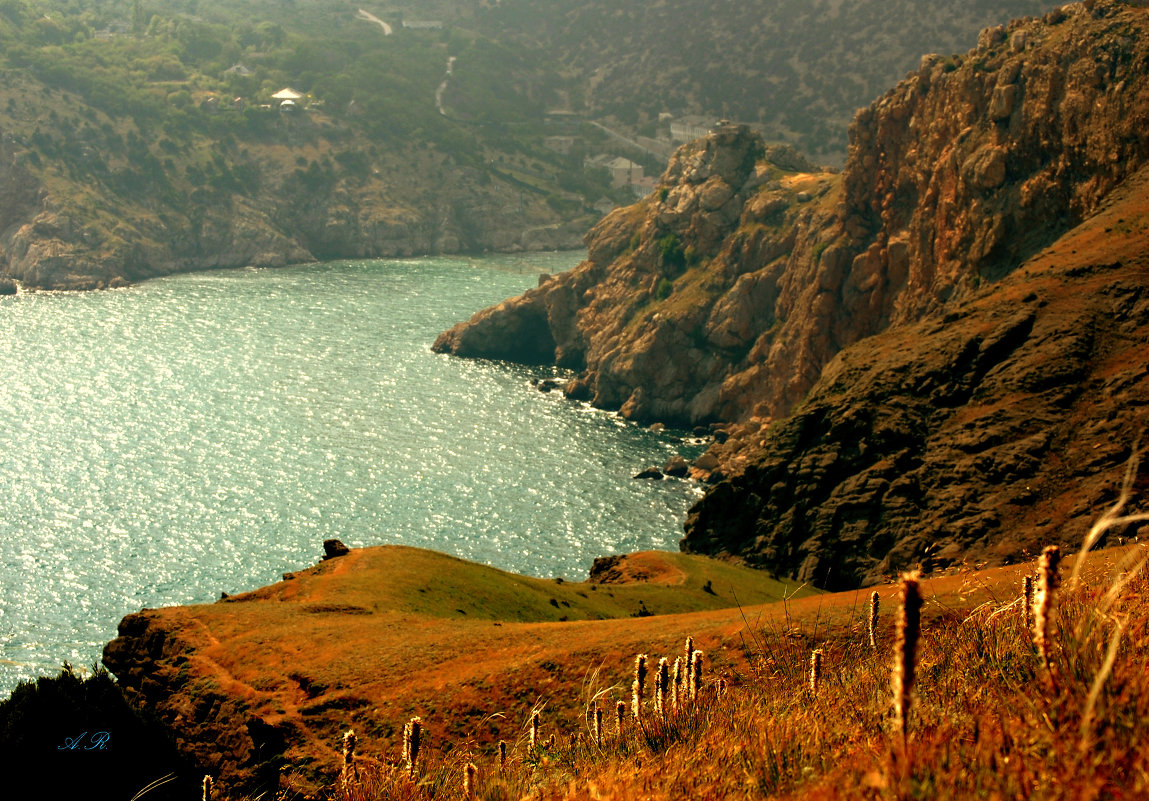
[(986, 721), (435, 585)]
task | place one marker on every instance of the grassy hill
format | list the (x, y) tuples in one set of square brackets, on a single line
[(260, 683), (264, 685)]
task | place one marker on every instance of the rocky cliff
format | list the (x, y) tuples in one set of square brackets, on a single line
[(725, 295)]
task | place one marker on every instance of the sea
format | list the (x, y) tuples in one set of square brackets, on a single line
[(205, 433)]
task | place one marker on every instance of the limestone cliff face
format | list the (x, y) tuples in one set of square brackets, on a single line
[(978, 161), (725, 295), (679, 292)]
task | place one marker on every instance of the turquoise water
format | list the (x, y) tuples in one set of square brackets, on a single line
[(205, 433)]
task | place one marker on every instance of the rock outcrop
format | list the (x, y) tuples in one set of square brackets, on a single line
[(725, 295), (678, 293)]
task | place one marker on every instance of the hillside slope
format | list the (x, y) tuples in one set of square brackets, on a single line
[(798, 69), (724, 295), (371, 638), (982, 435), (139, 140)]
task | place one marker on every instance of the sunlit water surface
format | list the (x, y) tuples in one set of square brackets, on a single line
[(205, 433)]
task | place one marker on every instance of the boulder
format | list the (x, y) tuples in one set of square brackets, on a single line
[(334, 548), (676, 466), (650, 472), (1002, 102)]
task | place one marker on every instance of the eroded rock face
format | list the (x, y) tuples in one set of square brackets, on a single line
[(209, 717), (725, 295), (676, 290), (980, 435)]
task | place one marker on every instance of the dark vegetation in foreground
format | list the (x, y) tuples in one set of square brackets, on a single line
[(73, 736)]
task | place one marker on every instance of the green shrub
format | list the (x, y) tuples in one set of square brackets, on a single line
[(670, 249)]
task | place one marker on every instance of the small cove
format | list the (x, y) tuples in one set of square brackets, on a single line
[(205, 433)]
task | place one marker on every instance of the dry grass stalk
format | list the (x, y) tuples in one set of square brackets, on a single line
[(598, 726), (676, 686), (414, 740), (350, 772), (905, 654), (661, 679), (695, 674), (1044, 605), (874, 603), (620, 717), (534, 730), (207, 788), (638, 690), (815, 670), (688, 663), (469, 775), (1111, 518), (1027, 596), (502, 754), (1098, 683)]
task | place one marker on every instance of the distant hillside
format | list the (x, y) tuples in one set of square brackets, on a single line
[(141, 138), (799, 68)]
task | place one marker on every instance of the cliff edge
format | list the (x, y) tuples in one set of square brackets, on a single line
[(726, 294)]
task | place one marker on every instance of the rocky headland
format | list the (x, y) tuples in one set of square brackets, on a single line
[(937, 354)]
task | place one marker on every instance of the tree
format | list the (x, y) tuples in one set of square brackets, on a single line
[(139, 20)]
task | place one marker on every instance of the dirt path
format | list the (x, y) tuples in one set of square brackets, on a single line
[(366, 16)]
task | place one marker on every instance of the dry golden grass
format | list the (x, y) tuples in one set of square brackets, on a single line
[(985, 722)]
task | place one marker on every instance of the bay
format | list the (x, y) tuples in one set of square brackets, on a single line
[(205, 433)]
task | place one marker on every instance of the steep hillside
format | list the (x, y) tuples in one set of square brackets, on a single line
[(978, 436), (143, 139), (724, 295), (799, 69)]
